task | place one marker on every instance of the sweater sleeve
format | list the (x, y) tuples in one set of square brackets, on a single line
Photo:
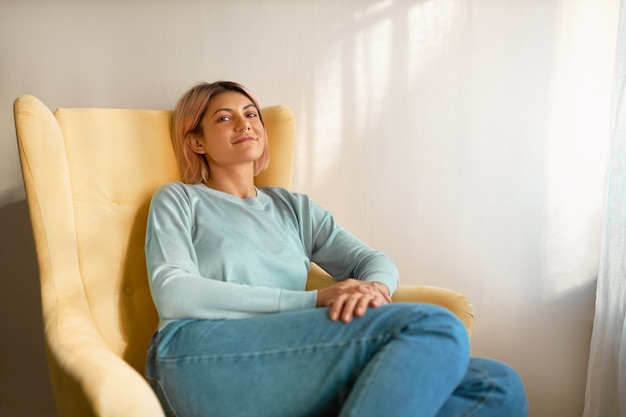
[(342, 254), (178, 289)]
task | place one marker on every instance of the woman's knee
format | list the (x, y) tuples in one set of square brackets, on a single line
[(508, 395), (428, 324), (437, 321)]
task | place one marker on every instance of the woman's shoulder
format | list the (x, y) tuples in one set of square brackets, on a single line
[(284, 194), (171, 187), (178, 186), (298, 201), (174, 191)]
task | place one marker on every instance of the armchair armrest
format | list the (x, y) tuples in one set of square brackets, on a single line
[(88, 377), (79, 356), (456, 302)]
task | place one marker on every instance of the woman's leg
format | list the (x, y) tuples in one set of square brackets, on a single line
[(415, 372), (489, 389), (397, 360)]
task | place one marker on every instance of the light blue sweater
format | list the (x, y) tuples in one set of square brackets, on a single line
[(211, 255)]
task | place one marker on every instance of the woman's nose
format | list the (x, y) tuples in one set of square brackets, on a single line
[(243, 125)]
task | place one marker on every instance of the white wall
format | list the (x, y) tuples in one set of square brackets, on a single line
[(465, 138)]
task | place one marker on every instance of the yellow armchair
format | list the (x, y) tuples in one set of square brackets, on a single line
[(89, 175)]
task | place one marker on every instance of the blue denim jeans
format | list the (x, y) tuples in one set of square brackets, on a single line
[(398, 360)]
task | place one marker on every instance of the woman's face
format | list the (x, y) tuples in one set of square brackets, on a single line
[(232, 132)]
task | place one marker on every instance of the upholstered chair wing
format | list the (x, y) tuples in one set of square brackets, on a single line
[(89, 175)]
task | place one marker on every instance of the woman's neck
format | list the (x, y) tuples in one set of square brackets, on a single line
[(239, 186)]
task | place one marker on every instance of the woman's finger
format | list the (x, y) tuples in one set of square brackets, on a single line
[(363, 304), (336, 307), (355, 305), (349, 306)]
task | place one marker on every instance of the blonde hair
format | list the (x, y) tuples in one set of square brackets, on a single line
[(188, 114)]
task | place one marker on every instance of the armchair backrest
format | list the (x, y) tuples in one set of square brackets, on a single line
[(89, 176)]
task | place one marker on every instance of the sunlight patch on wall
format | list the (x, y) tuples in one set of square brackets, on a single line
[(430, 24), (322, 122), (372, 70), (577, 146), (373, 10)]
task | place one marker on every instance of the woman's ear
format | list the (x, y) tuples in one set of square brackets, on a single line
[(195, 143)]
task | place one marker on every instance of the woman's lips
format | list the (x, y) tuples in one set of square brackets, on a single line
[(245, 139)]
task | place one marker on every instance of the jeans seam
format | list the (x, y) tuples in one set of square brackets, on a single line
[(160, 393), (273, 351), (485, 398)]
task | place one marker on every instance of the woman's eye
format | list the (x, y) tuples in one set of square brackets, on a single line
[(223, 119), (252, 114)]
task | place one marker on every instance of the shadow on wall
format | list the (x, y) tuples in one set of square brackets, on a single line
[(24, 385), (550, 348)]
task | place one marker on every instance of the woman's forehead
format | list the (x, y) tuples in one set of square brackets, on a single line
[(229, 101)]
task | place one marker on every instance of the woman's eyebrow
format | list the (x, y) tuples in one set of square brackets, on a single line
[(228, 109)]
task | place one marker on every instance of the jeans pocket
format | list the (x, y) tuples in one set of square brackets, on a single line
[(158, 390), (152, 376)]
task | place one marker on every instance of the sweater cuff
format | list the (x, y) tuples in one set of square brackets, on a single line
[(296, 300), (390, 281)]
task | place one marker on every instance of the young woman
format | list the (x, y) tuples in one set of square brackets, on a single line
[(240, 336)]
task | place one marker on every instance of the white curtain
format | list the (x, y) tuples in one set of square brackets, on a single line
[(606, 377)]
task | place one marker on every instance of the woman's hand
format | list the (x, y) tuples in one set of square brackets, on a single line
[(351, 297)]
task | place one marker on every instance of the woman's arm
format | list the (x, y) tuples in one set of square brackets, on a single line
[(343, 255), (367, 277)]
